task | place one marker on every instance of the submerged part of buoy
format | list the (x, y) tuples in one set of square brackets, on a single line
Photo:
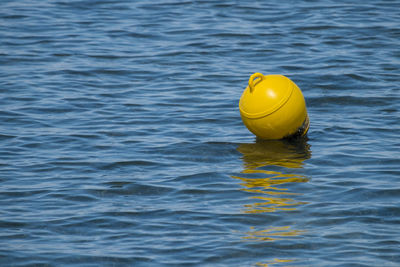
[(273, 107)]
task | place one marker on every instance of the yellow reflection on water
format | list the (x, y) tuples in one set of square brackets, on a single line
[(270, 170), (272, 233), (272, 197), (275, 261), (269, 186), (289, 154)]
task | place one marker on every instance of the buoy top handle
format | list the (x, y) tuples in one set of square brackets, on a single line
[(254, 79)]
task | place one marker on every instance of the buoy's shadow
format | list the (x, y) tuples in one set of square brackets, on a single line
[(290, 153)]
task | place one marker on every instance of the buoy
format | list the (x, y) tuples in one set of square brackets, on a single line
[(273, 107)]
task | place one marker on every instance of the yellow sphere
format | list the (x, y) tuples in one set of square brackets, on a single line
[(273, 107)]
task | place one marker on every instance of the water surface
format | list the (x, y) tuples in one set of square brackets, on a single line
[(121, 141)]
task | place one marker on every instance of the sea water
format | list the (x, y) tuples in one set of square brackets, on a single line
[(121, 142)]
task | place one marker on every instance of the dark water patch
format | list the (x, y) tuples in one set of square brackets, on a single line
[(6, 137), (136, 189), (131, 163)]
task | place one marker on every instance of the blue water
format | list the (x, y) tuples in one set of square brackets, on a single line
[(121, 142)]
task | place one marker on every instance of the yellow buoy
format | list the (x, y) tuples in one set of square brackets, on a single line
[(273, 107)]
